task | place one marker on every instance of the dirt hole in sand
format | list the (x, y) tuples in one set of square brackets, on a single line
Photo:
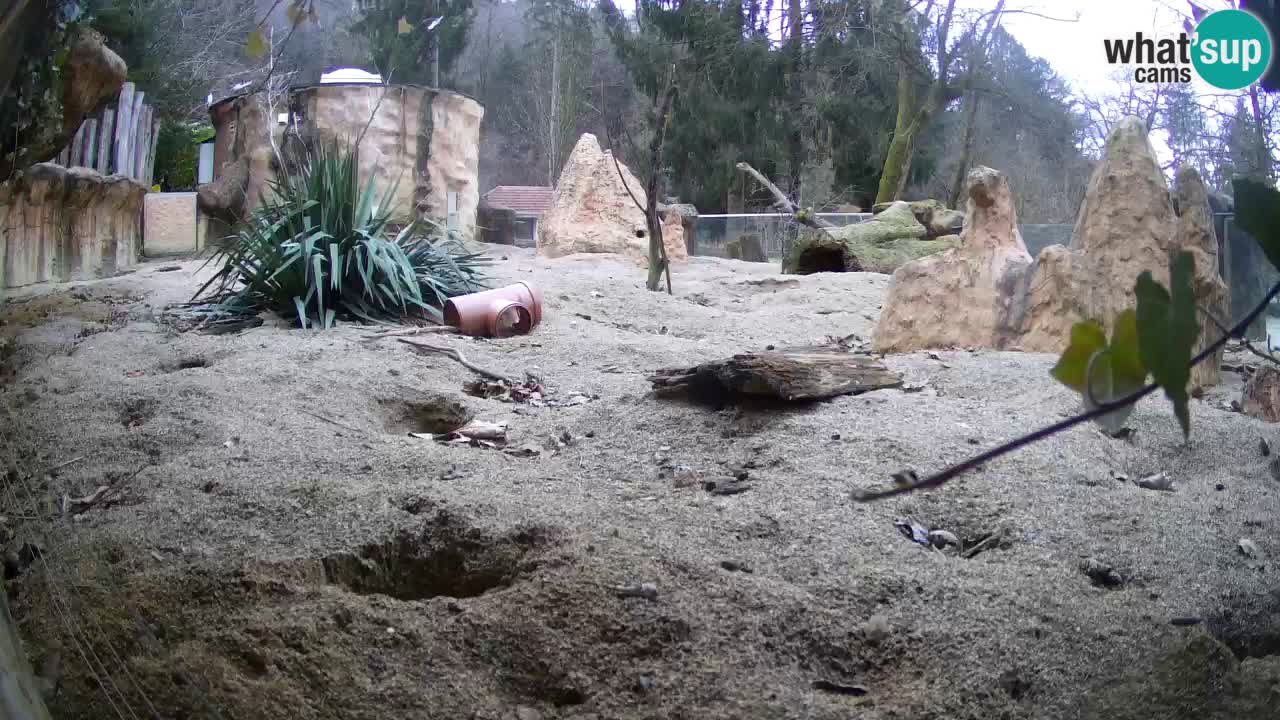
[(1251, 628), (424, 414), (185, 363), (449, 560), (820, 260)]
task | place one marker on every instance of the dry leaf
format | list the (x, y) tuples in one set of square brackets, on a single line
[(403, 27), (295, 13)]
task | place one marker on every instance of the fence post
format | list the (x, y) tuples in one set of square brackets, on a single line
[(91, 143), (135, 118), (122, 129), (106, 132)]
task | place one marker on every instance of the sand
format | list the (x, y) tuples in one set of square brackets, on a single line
[(273, 543)]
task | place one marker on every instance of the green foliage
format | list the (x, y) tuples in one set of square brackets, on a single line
[(1103, 372), (322, 250), (178, 155), (1258, 212), (406, 55), (1167, 331)]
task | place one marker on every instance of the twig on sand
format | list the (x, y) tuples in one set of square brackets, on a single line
[(65, 463), (458, 356), (411, 331), (331, 421)]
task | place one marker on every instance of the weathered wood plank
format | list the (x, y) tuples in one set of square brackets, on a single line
[(131, 169), (794, 374), (122, 137), (77, 147), (91, 143), (106, 137), (151, 152)]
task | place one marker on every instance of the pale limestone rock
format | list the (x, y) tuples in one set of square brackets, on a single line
[(592, 212), (421, 141), (68, 224), (1262, 394), (1195, 234), (1125, 226), (962, 297)]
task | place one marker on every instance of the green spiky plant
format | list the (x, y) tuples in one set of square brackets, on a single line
[(321, 249)]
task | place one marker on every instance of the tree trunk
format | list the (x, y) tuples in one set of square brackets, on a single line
[(1263, 155), (658, 263), (897, 163), (966, 150)]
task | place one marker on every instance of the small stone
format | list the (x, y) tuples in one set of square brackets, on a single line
[(645, 683), (1249, 549), (1265, 447), (735, 566), (877, 629), (769, 347), (835, 436), (589, 433), (1219, 487), (342, 617), (525, 712)]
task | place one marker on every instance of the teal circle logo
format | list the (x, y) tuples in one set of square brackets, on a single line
[(1232, 49)]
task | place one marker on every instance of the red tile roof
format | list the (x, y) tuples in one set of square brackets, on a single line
[(524, 199)]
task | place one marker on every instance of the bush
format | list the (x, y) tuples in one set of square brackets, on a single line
[(321, 250), (178, 155)]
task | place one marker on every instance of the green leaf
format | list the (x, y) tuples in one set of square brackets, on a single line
[(1126, 359), (1087, 338), (1167, 332), (1258, 212), (255, 46)]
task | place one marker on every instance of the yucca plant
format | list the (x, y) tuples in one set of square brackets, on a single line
[(321, 249)]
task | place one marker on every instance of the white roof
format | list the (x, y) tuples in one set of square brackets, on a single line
[(350, 75)]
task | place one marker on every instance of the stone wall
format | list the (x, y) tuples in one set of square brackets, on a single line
[(65, 224), (422, 140)]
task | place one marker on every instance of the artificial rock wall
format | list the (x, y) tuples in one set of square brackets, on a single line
[(423, 140), (64, 224)]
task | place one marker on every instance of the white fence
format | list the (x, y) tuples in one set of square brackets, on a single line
[(119, 140)]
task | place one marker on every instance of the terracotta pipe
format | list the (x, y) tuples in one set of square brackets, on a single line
[(501, 312)]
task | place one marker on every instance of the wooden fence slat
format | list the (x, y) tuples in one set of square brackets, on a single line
[(144, 142), (122, 129), (64, 157), (106, 133), (135, 121), (91, 143), (151, 153), (77, 147)]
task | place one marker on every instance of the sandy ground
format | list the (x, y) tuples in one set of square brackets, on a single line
[(273, 544)]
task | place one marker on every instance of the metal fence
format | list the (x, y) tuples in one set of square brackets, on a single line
[(776, 231)]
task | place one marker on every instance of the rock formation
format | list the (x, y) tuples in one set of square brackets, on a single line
[(988, 294), (420, 141), (961, 297), (881, 244), (1262, 394), (937, 219), (68, 224), (592, 212)]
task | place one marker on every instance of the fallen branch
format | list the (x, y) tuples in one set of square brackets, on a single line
[(802, 217), (411, 331), (1222, 327), (459, 357)]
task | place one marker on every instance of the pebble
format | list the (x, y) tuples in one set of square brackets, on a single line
[(877, 629), (1265, 447), (525, 712), (735, 566)]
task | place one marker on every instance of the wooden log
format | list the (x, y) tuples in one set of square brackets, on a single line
[(121, 158), (106, 136), (151, 152), (793, 374), (135, 118), (77, 147), (91, 143), (144, 140)]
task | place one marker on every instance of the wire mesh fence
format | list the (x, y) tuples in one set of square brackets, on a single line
[(777, 231)]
